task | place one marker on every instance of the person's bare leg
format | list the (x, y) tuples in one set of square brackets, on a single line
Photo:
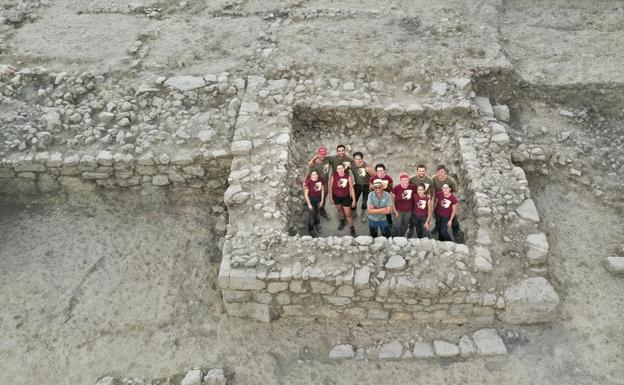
[(341, 216), (348, 214)]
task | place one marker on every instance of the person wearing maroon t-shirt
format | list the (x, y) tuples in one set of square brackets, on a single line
[(403, 201), (445, 210), (380, 173), (342, 194), (314, 194), (422, 211)]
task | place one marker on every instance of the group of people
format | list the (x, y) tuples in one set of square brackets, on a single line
[(399, 210)]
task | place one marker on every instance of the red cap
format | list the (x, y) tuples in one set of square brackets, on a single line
[(403, 175), (321, 151)]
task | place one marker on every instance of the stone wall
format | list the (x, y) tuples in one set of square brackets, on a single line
[(360, 278), (50, 172), (266, 273)]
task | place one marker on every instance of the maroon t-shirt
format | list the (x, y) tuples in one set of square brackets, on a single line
[(444, 206), (314, 188), (388, 181), (421, 205), (340, 187), (404, 200)]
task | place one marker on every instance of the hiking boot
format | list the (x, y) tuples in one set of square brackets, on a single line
[(323, 213), (353, 232), (313, 233), (342, 224), (318, 228)]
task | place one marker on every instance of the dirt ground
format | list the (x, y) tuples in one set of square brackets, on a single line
[(126, 284)]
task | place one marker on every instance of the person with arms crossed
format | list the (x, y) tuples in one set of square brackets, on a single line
[(379, 206)]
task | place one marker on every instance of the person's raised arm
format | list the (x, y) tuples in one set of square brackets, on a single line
[(311, 161)]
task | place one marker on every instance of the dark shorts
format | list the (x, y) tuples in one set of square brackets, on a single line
[(346, 201)]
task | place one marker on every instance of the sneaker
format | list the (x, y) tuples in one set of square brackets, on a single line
[(323, 213), (342, 224), (364, 218), (313, 233), (353, 232), (318, 228)]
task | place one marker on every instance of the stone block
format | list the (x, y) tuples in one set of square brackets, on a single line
[(488, 342), (391, 351), (46, 183), (337, 301), (482, 265), (501, 112), (484, 106), (378, 314), (193, 377), (256, 311), (615, 265), (341, 352), (445, 349), (538, 248), (466, 346), (501, 139), (261, 297), (245, 279), (423, 350), (297, 287), (109, 381), (345, 291), (395, 262), (215, 377), (283, 298), (236, 295), (527, 210), (241, 147), (276, 287), (532, 300), (364, 240), (355, 313), (185, 83), (160, 180), (361, 277), (105, 158), (6, 172), (321, 287), (30, 167)]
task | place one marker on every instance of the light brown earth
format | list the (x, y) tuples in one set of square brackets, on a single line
[(127, 284)]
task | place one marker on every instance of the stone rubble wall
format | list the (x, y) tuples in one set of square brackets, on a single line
[(358, 278), (50, 172)]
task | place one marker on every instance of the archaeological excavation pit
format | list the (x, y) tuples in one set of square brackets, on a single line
[(398, 139), (270, 268)]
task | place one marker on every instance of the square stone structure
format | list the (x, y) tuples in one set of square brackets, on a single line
[(266, 273)]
